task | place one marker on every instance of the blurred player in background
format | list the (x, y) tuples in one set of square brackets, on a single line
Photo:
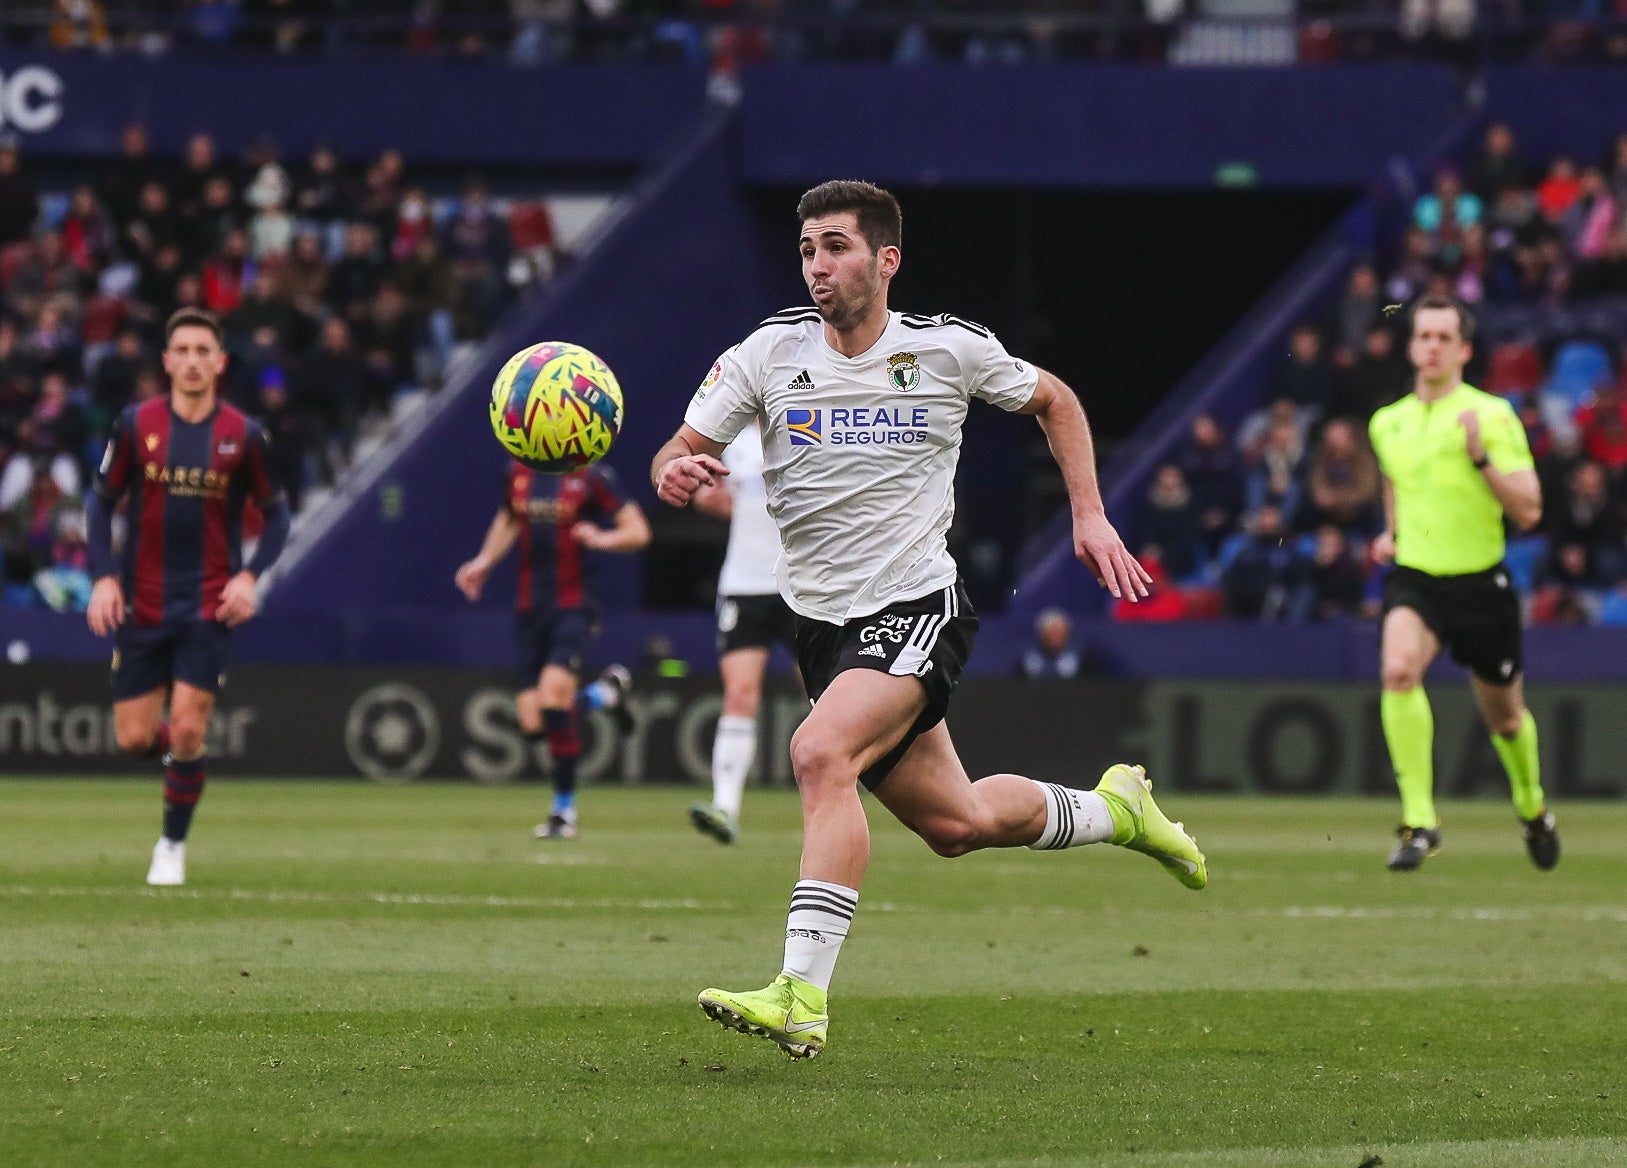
[(862, 411), (555, 520), (1455, 462), (751, 619), (189, 463)]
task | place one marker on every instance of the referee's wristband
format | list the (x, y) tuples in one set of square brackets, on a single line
[(1482, 462)]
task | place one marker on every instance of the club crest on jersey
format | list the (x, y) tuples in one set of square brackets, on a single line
[(227, 448), (903, 372), (805, 427), (152, 441)]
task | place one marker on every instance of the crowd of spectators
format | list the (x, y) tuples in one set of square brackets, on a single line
[(1274, 522), (726, 33), (339, 287)]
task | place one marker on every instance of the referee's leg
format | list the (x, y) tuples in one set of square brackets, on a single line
[(1408, 647)]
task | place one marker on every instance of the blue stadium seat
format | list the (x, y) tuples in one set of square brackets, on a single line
[(1613, 609), (1524, 556), (1579, 368)]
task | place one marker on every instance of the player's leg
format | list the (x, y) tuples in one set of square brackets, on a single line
[(200, 653), (855, 724), (1514, 736), (929, 792), (1407, 648), (556, 696), (139, 725), (142, 668), (735, 743)]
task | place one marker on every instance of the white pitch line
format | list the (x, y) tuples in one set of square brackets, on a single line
[(406, 898), (1337, 912)]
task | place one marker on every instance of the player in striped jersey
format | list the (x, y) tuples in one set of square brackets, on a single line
[(861, 412), (189, 463), (555, 520), (751, 619)]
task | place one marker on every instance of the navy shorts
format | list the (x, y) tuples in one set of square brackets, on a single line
[(149, 657), (556, 636)]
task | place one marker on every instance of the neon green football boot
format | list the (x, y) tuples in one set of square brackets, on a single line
[(1141, 827), (791, 1012)]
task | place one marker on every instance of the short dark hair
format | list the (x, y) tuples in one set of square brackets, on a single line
[(881, 223), (1433, 302), (194, 318)]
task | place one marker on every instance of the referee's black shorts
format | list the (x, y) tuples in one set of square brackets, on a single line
[(1476, 616)]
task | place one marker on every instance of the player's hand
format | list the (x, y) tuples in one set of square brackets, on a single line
[(236, 600), (471, 578), (685, 475), (1099, 548), (591, 536), (1383, 548), (1470, 421), (105, 612)]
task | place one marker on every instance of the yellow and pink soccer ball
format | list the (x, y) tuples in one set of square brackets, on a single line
[(556, 407)]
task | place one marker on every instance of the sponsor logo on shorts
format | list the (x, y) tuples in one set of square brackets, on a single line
[(873, 651)]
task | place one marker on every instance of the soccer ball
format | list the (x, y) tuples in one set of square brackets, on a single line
[(556, 407)]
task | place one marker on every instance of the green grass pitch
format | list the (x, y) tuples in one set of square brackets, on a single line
[(362, 975)]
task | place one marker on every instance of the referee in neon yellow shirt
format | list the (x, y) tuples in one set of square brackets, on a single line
[(1455, 462)]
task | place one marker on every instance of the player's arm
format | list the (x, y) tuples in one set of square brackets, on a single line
[(500, 536), (629, 531), (105, 611), (1095, 541), (1383, 548), (1519, 491), (689, 461), (237, 603), (715, 500)]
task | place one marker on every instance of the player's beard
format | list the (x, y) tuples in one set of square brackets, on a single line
[(843, 312)]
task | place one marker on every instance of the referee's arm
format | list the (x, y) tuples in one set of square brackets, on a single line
[(1519, 492)]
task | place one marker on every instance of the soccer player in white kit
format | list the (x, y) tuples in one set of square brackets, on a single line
[(861, 412), (751, 618)]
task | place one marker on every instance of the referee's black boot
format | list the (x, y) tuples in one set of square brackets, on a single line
[(1542, 840), (1416, 845)]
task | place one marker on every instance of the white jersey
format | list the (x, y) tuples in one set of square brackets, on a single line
[(859, 453), (754, 541)]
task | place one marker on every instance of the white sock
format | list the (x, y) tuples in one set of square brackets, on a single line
[(816, 928), (1073, 818), (732, 752)]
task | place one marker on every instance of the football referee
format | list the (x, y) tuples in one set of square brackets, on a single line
[(1455, 462)]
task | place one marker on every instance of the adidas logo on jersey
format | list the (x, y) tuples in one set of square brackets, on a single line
[(800, 381), (873, 651)]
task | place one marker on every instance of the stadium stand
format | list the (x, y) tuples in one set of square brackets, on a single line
[(1545, 270), (345, 288), (727, 34)]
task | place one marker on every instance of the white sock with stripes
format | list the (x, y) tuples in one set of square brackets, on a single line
[(732, 752), (1073, 818), (816, 928)]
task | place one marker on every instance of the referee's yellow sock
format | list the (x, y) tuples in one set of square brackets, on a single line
[(1519, 755), (1409, 730)]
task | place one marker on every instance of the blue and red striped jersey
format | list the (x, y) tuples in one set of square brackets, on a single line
[(188, 483), (553, 567)]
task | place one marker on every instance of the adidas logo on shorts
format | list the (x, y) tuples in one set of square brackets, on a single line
[(873, 651)]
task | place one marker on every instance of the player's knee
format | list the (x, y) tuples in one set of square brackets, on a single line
[(1401, 674), (817, 760), (135, 739), (948, 835), (187, 734)]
